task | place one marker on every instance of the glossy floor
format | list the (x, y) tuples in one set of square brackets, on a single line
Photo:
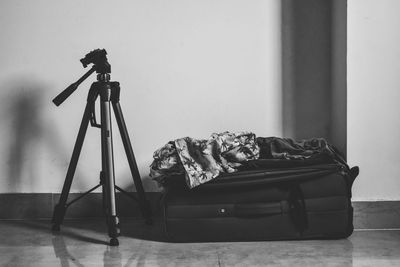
[(82, 243)]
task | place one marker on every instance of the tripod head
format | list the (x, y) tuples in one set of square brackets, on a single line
[(98, 58)]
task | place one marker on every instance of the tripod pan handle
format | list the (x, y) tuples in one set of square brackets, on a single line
[(59, 99)]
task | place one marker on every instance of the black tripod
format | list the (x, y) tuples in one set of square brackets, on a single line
[(109, 93)]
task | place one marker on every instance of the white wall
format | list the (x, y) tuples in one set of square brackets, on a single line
[(187, 68), (373, 97)]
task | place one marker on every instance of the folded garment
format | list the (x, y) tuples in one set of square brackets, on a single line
[(203, 160)]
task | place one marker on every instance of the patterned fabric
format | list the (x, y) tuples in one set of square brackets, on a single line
[(203, 160), (166, 162)]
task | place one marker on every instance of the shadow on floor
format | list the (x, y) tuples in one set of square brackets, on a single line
[(93, 230)]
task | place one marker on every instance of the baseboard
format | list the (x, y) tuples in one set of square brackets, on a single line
[(376, 214), (41, 205), (367, 214)]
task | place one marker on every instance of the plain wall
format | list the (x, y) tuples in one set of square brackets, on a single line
[(186, 68), (373, 97)]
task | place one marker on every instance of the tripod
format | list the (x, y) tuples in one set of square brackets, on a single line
[(109, 93)]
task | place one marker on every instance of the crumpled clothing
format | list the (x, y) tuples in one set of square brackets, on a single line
[(289, 149), (203, 160), (166, 162)]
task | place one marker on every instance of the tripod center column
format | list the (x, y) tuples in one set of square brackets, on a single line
[(107, 152)]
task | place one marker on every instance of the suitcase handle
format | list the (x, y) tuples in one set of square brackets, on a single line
[(353, 174), (257, 209)]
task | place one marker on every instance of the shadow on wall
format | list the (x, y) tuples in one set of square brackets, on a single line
[(149, 184), (31, 133)]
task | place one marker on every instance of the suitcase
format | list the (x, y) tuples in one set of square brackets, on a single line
[(273, 200)]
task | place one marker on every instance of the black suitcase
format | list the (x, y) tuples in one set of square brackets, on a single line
[(274, 203)]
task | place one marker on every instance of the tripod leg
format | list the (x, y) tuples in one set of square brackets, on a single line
[(108, 169), (61, 207), (144, 204)]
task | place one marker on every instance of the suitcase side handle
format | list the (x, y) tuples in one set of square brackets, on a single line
[(258, 209), (353, 174)]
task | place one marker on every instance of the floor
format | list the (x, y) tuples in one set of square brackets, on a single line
[(83, 243)]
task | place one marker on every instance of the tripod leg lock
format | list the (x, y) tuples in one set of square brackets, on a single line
[(113, 226)]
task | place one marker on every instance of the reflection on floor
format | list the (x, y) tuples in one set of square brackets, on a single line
[(83, 243)]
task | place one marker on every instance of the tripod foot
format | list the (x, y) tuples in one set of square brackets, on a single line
[(114, 242), (58, 216)]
